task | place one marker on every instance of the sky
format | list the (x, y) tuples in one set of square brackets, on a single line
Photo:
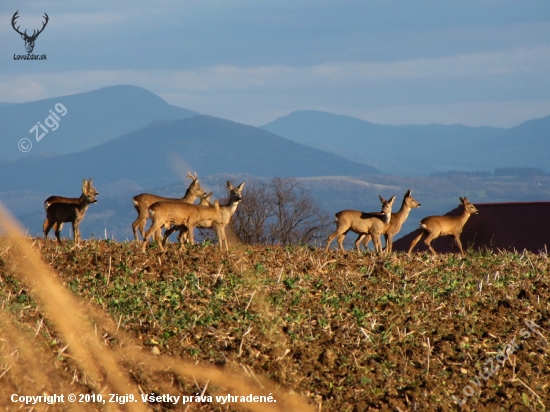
[(385, 61)]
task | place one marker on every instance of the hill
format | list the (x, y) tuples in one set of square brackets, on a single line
[(153, 155), (90, 118), (419, 149), (334, 332)]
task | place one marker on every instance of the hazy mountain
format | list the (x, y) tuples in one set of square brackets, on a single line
[(89, 119), (419, 149), (163, 151)]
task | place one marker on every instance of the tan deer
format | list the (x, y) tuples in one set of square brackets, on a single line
[(143, 201), (60, 212), (87, 189), (396, 222), (373, 224), (183, 235), (179, 213), (434, 226)]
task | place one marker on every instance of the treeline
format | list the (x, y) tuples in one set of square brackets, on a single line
[(521, 172)]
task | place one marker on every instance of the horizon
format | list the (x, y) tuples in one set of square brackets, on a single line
[(390, 63), (280, 117)]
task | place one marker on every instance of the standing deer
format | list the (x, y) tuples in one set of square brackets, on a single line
[(373, 224), (434, 226), (396, 222), (87, 190), (178, 213), (59, 213), (143, 201), (183, 235)]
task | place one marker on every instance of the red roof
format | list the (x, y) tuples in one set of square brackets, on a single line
[(498, 226)]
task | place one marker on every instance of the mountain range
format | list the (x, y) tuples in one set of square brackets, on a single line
[(130, 141), (90, 118), (420, 149)]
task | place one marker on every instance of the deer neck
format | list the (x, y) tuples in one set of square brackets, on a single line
[(230, 208), (189, 197), (402, 215), (464, 216)]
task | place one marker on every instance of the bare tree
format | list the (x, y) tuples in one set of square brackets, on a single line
[(279, 212)]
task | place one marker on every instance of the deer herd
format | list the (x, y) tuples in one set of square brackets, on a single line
[(183, 215)]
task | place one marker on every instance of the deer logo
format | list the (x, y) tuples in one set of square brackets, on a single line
[(29, 40)]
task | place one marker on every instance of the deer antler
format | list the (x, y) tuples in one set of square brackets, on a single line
[(15, 16), (190, 176), (43, 26)]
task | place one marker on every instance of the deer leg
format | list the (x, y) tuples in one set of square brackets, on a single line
[(47, 226), (341, 238), (150, 232), (135, 226), (377, 242), (428, 242), (331, 239), (389, 242), (415, 241), (366, 240), (58, 232), (360, 238), (459, 244)]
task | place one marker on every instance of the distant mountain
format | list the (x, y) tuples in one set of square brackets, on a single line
[(419, 150), (5, 104), (90, 119), (150, 157)]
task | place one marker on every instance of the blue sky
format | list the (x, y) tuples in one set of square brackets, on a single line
[(388, 61)]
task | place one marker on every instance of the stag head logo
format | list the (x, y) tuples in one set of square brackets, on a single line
[(29, 40)]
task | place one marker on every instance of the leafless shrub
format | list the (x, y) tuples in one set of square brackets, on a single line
[(279, 212)]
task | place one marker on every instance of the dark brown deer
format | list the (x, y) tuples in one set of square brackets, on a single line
[(396, 222), (87, 190), (29, 40), (434, 226), (59, 213), (143, 201), (373, 224)]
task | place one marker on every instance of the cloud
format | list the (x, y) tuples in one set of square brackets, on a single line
[(466, 84)]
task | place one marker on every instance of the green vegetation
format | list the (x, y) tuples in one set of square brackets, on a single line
[(350, 331)]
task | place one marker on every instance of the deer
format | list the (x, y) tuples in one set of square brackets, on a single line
[(60, 212), (143, 201), (190, 215), (182, 235), (87, 190), (373, 224), (396, 222), (29, 40), (434, 226)]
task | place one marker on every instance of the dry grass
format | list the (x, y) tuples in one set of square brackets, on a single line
[(337, 332)]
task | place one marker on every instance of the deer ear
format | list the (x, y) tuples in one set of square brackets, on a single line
[(240, 186), (229, 185), (409, 193), (392, 199), (382, 199), (462, 200)]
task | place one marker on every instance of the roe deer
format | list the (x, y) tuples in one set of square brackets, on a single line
[(189, 215), (87, 190), (182, 235), (59, 213), (434, 226), (396, 222), (373, 224), (144, 200)]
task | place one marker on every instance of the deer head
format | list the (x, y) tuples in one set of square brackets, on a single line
[(29, 40)]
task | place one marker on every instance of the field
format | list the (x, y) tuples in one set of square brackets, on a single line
[(316, 331)]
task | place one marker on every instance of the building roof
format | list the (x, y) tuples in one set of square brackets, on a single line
[(498, 226)]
